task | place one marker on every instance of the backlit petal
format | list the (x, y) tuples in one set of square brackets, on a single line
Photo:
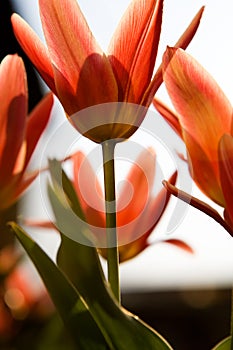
[(137, 189), (189, 33), (36, 123), (34, 49), (226, 172), (205, 112), (83, 74), (170, 116), (13, 111), (14, 187), (129, 251), (158, 205), (204, 170), (143, 226), (39, 224), (114, 120), (133, 48), (88, 190), (133, 238), (182, 42), (180, 244), (24, 182)]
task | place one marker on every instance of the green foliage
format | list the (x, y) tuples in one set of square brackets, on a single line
[(225, 344), (77, 284)]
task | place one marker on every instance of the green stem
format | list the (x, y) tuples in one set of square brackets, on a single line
[(108, 148)]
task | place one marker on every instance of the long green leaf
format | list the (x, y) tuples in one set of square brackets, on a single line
[(225, 344), (80, 263), (72, 309)]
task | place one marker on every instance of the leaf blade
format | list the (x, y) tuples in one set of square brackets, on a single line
[(225, 344), (70, 306), (121, 329)]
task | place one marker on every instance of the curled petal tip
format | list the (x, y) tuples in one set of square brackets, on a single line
[(180, 244)]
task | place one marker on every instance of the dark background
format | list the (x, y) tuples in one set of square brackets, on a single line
[(187, 319), (9, 45)]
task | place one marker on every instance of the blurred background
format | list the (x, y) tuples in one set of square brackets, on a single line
[(183, 296)]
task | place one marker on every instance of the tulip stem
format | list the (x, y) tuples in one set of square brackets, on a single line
[(108, 148)]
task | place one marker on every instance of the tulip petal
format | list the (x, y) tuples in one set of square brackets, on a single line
[(129, 251), (83, 74), (170, 116), (183, 43), (133, 238), (40, 224), (36, 124), (204, 170), (226, 172), (14, 187), (88, 190), (149, 219), (180, 244), (189, 33), (34, 49), (158, 205), (13, 111), (205, 112), (136, 192), (133, 55), (25, 182)]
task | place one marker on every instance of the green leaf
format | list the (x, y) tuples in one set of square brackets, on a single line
[(72, 309), (225, 344), (54, 336), (62, 183), (80, 262)]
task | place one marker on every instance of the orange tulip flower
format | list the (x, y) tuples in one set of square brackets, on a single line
[(82, 75), (204, 121), (20, 299), (138, 210), (19, 133), (226, 175)]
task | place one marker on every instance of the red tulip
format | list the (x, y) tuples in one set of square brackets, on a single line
[(226, 175), (138, 209), (82, 75), (203, 119), (19, 133)]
